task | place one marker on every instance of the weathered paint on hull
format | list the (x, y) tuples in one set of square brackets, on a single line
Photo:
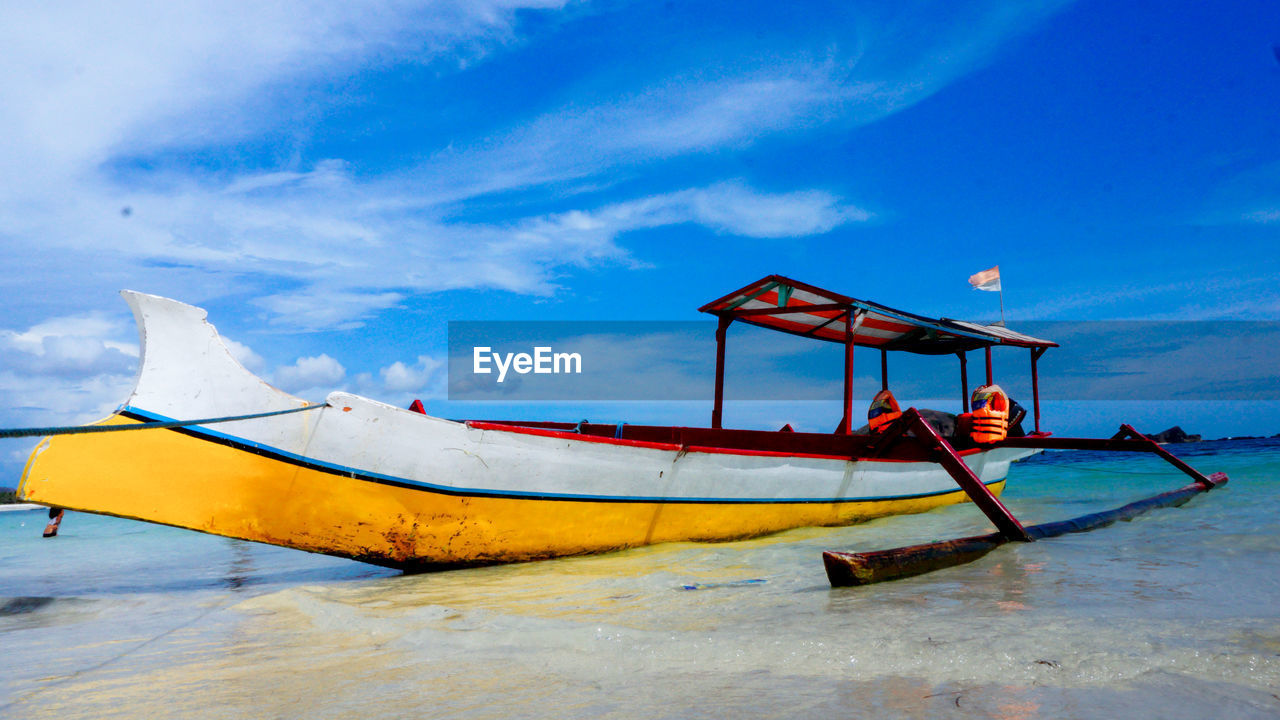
[(188, 481)]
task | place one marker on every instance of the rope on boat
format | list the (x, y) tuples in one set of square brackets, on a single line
[(78, 429)]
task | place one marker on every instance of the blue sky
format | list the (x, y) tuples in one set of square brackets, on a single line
[(334, 185)]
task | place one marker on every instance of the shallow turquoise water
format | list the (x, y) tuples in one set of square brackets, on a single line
[(1172, 615)]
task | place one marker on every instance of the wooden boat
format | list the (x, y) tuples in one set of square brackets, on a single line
[(361, 479)]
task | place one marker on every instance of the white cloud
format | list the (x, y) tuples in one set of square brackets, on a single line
[(724, 207), (399, 377), (245, 355), (66, 370), (326, 308), (734, 208), (61, 399), (310, 373), (74, 346)]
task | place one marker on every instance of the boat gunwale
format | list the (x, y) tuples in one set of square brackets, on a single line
[(516, 427), (280, 455)]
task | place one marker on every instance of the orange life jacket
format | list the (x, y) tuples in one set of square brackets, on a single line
[(990, 415), (884, 410)]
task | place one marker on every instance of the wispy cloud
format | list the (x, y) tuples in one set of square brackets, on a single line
[(86, 87), (1207, 297), (349, 254), (1249, 197), (729, 207), (737, 101), (678, 116), (1265, 217), (85, 81)]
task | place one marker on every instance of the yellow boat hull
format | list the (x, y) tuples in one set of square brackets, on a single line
[(191, 481)]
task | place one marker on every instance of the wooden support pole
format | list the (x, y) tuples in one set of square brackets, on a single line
[(847, 423), (990, 377), (884, 369), (1035, 384), (717, 411), (964, 380)]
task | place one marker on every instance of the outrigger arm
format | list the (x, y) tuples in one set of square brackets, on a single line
[(1125, 440), (948, 458)]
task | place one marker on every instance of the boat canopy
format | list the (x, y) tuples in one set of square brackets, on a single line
[(780, 303)]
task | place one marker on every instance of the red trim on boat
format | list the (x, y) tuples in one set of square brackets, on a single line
[(763, 453), (676, 447), (481, 425)]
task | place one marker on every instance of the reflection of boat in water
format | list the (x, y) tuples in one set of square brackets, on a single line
[(357, 478)]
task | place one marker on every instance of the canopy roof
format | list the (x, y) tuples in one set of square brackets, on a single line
[(780, 303)]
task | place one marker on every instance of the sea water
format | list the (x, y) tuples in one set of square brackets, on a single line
[(1173, 615)]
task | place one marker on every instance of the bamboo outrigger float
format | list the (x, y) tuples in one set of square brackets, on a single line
[(357, 478)]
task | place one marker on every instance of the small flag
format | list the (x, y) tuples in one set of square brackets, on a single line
[(986, 280)]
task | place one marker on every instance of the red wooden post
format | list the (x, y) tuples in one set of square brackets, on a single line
[(717, 411), (884, 369), (847, 424), (1035, 384), (964, 380), (990, 379)]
